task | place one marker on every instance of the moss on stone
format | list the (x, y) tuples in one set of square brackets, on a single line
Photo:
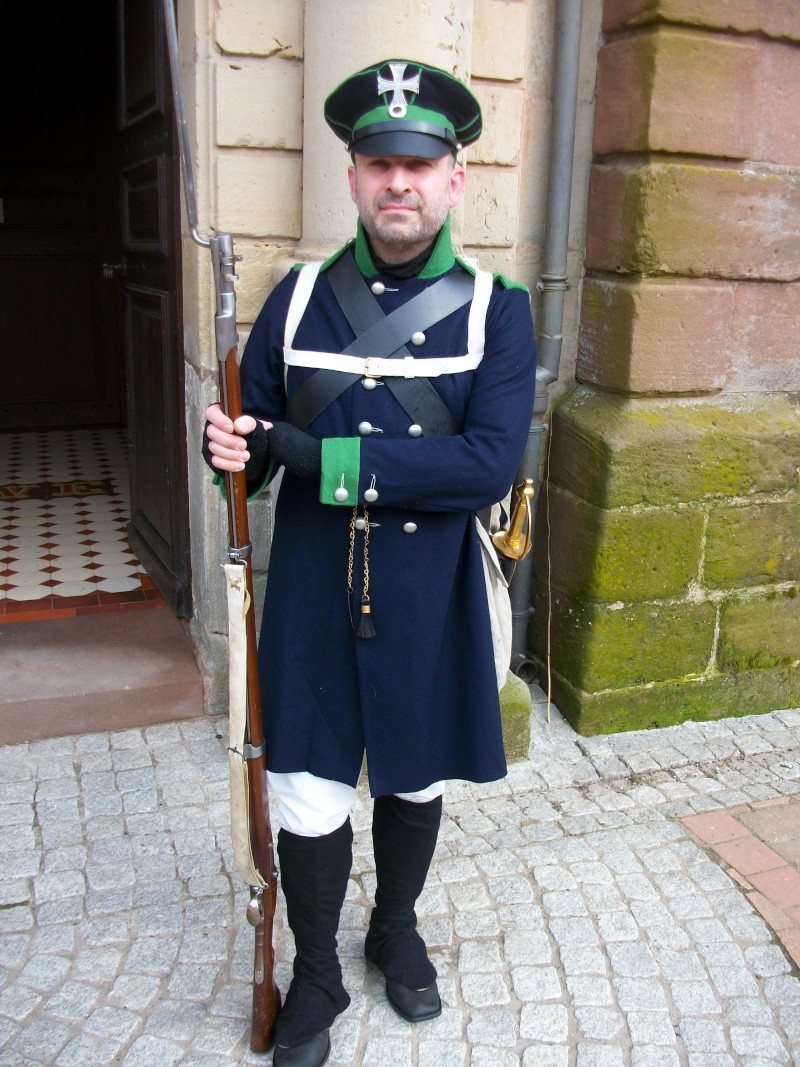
[(759, 633), (599, 646), (669, 703), (515, 713), (618, 555), (612, 451), (753, 545), (622, 657)]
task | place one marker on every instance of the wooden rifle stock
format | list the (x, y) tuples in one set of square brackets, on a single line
[(261, 909)]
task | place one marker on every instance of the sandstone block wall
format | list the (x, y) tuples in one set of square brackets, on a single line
[(672, 509), (697, 176), (674, 558)]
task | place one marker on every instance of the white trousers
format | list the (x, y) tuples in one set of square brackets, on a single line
[(312, 807)]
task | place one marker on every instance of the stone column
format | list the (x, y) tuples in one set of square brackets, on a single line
[(341, 37), (673, 494)]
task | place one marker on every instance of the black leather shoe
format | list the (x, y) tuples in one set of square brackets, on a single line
[(415, 1005), (311, 1053)]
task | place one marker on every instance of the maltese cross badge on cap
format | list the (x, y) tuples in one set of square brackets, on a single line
[(398, 86)]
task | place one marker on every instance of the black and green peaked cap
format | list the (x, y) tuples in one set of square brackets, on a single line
[(403, 108)]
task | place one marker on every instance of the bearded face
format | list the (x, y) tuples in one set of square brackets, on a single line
[(403, 201)]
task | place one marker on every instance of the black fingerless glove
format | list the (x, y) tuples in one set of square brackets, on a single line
[(257, 446), (299, 452)]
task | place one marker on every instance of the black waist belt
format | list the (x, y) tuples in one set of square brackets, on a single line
[(383, 335)]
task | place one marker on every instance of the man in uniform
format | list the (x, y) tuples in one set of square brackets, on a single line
[(394, 385)]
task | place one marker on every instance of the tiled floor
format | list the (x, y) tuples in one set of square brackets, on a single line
[(64, 509), (759, 845)]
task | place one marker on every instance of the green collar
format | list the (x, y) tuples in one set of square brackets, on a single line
[(440, 261)]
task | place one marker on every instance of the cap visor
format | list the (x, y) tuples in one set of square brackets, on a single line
[(402, 143)]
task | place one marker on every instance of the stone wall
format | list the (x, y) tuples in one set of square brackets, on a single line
[(672, 513)]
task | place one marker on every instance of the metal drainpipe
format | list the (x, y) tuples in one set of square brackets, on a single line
[(553, 285)]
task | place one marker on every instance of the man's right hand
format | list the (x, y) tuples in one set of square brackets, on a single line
[(226, 439)]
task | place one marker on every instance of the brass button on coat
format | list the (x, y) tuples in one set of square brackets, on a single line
[(415, 430), (378, 288), (418, 338), (409, 527)]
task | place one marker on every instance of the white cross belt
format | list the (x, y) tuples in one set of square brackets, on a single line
[(378, 367)]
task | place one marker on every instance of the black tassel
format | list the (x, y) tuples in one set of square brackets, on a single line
[(366, 627)]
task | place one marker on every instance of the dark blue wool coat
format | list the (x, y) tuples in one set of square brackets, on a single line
[(421, 696)]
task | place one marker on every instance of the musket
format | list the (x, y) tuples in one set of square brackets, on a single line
[(250, 825)]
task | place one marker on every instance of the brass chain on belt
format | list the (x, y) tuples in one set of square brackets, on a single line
[(366, 553), (351, 551), (366, 627)]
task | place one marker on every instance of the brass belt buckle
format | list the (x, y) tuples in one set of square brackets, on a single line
[(371, 373)]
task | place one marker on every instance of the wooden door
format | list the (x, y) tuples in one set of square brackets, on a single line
[(149, 246)]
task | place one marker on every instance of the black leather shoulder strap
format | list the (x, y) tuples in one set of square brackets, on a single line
[(384, 335), (378, 334)]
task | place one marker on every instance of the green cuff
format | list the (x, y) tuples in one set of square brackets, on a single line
[(252, 493), (341, 469), (258, 488)]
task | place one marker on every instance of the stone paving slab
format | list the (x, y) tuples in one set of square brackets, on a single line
[(759, 845), (575, 920)]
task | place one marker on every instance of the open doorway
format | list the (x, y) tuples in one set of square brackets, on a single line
[(92, 447), (93, 500)]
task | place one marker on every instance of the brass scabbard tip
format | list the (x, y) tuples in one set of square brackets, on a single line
[(512, 542)]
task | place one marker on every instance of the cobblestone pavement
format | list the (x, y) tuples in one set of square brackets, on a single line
[(574, 920)]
